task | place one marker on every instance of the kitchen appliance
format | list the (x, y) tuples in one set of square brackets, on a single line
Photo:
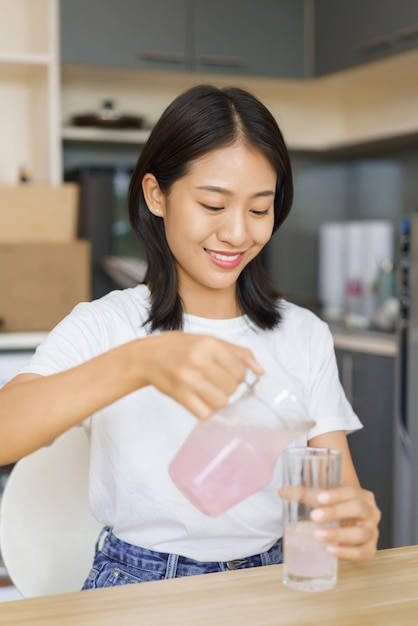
[(104, 220), (405, 513)]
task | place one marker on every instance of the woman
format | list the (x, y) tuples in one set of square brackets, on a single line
[(137, 367)]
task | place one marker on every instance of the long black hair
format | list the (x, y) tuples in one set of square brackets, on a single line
[(202, 119)]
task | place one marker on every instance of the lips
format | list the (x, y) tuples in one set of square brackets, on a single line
[(225, 260)]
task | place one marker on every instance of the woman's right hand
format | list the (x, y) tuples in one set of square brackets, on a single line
[(198, 371)]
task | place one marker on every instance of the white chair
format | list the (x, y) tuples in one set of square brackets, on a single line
[(47, 532)]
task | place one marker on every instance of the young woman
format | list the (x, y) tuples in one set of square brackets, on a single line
[(137, 367)]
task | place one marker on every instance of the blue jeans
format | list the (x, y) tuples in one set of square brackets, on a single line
[(119, 563)]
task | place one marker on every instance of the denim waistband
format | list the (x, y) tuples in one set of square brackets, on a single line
[(134, 556)]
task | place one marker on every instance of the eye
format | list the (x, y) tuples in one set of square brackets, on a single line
[(214, 209), (254, 212)]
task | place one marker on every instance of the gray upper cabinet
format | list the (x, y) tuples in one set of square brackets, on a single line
[(125, 33), (236, 37), (352, 32), (246, 37)]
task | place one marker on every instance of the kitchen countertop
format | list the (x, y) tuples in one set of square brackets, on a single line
[(382, 591), (20, 341), (367, 341)]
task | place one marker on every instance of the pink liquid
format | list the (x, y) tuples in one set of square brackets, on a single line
[(221, 464), (306, 563)]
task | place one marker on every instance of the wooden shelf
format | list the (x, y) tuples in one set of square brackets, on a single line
[(362, 147), (350, 149), (23, 58), (29, 91), (89, 134)]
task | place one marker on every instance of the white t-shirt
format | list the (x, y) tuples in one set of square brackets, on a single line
[(133, 440)]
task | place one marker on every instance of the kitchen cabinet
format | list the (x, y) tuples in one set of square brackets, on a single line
[(29, 91), (126, 33), (238, 36), (352, 32), (368, 108), (246, 37), (369, 383)]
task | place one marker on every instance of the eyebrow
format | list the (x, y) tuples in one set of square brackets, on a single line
[(265, 193)]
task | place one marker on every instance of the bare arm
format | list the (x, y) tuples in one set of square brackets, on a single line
[(338, 441), (198, 371)]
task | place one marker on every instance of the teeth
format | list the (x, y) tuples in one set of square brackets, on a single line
[(224, 257)]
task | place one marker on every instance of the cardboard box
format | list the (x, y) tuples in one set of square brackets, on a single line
[(41, 213), (41, 283)]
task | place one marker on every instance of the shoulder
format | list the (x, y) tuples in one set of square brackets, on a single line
[(297, 319), (129, 305), (302, 336), (93, 328), (117, 317)]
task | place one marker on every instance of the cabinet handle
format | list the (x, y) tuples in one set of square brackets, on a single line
[(347, 376), (408, 33), (220, 61), (374, 45), (161, 57), (349, 368)]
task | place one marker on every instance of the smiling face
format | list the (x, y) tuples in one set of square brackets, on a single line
[(217, 218)]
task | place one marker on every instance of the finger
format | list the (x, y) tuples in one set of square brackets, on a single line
[(205, 392), (353, 543), (353, 553), (314, 497), (351, 509), (299, 493), (344, 492), (248, 359), (221, 363), (199, 395), (196, 406), (223, 371), (213, 384), (356, 535), (211, 395), (209, 365), (237, 358)]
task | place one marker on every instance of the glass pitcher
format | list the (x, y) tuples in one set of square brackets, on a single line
[(233, 454)]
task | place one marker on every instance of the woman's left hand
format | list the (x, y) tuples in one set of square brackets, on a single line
[(356, 511), (354, 508)]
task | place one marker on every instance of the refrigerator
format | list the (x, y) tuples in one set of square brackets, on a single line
[(405, 513)]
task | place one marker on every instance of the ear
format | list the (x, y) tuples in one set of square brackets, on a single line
[(153, 195)]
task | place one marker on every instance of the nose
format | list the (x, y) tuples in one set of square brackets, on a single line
[(233, 227)]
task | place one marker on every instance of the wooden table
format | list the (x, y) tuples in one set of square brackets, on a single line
[(380, 592)]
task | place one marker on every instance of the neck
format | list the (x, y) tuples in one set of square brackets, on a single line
[(215, 305)]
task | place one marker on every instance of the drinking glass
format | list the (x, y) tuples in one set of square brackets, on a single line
[(307, 566)]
